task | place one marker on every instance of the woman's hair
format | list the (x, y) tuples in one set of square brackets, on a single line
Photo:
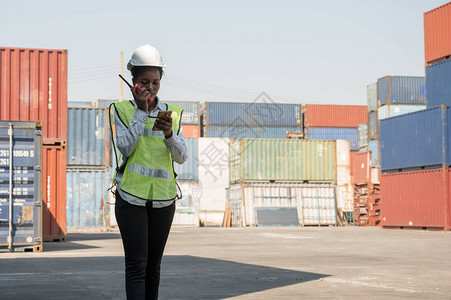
[(138, 70)]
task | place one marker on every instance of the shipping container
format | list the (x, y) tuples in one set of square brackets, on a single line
[(416, 140), (20, 174), (334, 133), (54, 192), (345, 198), (249, 132), (188, 171), (80, 104), (213, 178), (191, 131), (352, 155), (388, 111), (187, 208), (375, 175), (272, 160), (437, 33), (371, 96), (401, 90), (362, 168), (438, 84), (315, 203), (373, 126), (87, 138), (343, 162), (105, 103), (363, 135), (373, 147), (252, 114), (417, 199), (33, 87), (347, 116), (87, 198)]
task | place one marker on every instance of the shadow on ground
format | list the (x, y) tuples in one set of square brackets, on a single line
[(183, 277)]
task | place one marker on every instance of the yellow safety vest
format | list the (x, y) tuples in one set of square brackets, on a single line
[(149, 172)]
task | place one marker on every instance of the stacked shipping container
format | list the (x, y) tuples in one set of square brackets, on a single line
[(33, 87), (251, 120)]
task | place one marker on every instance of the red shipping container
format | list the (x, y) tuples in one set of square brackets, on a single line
[(416, 199), (54, 192), (352, 160), (191, 131), (348, 116), (437, 34), (33, 86), (362, 168)]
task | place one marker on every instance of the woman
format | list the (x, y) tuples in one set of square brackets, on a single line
[(146, 188)]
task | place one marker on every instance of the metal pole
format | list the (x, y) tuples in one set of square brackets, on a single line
[(10, 192)]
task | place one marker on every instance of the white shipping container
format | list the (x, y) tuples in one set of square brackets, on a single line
[(343, 162), (315, 203), (213, 178), (187, 208), (375, 175), (345, 198)]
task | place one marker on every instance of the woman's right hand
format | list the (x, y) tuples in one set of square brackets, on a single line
[(141, 97)]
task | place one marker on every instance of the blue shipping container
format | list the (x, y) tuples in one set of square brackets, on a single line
[(86, 192), (87, 137), (189, 171), (374, 148), (26, 185), (335, 133), (252, 114), (239, 132), (401, 90), (371, 96), (415, 140), (388, 111), (438, 84)]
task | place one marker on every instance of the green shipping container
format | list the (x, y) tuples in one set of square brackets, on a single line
[(282, 160)]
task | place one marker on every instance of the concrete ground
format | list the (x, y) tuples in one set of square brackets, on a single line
[(244, 263)]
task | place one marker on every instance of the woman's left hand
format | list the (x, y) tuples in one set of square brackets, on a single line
[(165, 125)]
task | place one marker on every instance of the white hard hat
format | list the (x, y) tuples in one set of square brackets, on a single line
[(146, 56)]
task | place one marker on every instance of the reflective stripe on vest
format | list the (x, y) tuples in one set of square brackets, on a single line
[(149, 172)]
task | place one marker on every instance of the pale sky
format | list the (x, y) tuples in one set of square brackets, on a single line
[(323, 52)]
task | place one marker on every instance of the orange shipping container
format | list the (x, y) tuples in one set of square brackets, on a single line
[(349, 116), (191, 131), (54, 192), (416, 199), (437, 33), (33, 86)]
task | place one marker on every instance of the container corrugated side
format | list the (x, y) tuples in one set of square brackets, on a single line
[(362, 168), (87, 197), (438, 84), (343, 162), (437, 33), (54, 192), (373, 147), (33, 87), (275, 160), (373, 126), (416, 199), (191, 111), (252, 114), (188, 171), (401, 90), (388, 111), (80, 104), (363, 135), (240, 132), (415, 140), (348, 116), (87, 140), (26, 164), (186, 210), (335, 133), (315, 203), (371, 96)]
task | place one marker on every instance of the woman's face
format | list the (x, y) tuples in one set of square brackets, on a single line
[(149, 78)]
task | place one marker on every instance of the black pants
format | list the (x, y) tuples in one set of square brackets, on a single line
[(144, 232)]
